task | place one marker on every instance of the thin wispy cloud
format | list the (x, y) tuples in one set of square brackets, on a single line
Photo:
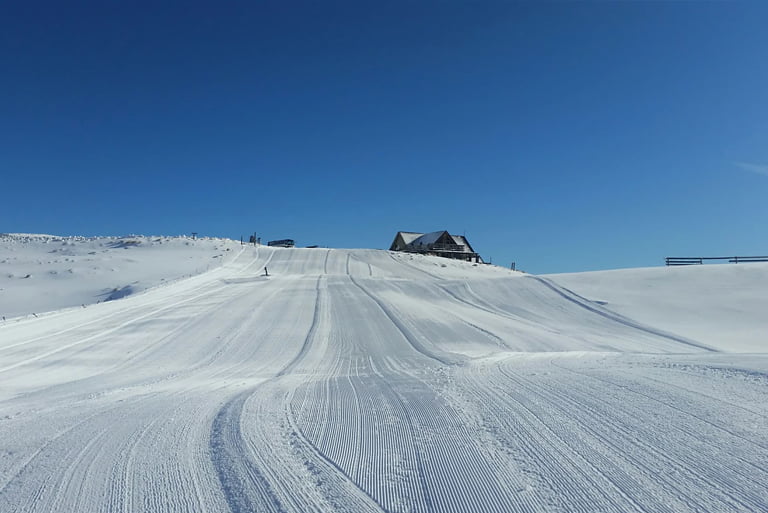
[(761, 169)]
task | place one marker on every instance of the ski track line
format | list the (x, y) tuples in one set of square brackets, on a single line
[(222, 345), (114, 481), (417, 346), (364, 497), (687, 468), (118, 327), (493, 310), (722, 487), (333, 448), (51, 441), (550, 465), (461, 449), (209, 311), (413, 267), (185, 489), (55, 439), (319, 302), (333, 470), (702, 394), (370, 269), (100, 320), (496, 493), (64, 433), (231, 339), (262, 435), (468, 478), (728, 488), (547, 458), (325, 262), (120, 492), (411, 432), (65, 479), (480, 305), (239, 477), (681, 460), (88, 472), (36, 498), (130, 309), (105, 332), (230, 280), (236, 473), (615, 317), (497, 339), (143, 354), (357, 456), (667, 404), (626, 481)]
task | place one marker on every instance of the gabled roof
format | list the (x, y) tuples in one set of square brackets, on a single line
[(409, 237), (429, 238), (461, 240), (414, 239)]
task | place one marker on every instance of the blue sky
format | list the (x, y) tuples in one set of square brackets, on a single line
[(563, 136)]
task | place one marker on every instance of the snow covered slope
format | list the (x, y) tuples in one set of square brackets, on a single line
[(39, 273), (724, 306), (360, 380)]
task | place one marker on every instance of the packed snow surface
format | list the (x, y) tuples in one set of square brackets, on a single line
[(364, 380)]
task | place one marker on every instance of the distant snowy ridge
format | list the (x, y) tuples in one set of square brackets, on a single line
[(40, 272)]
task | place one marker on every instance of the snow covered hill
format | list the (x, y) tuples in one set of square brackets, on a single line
[(40, 273), (362, 380), (724, 306)]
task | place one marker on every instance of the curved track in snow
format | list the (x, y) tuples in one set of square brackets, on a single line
[(355, 380)]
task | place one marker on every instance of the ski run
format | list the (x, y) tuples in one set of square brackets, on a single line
[(371, 381)]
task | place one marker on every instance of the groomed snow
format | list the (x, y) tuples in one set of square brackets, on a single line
[(364, 380)]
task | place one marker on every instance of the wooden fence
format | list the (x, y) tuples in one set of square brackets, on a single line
[(701, 260)]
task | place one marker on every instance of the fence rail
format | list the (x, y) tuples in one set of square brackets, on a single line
[(701, 260)]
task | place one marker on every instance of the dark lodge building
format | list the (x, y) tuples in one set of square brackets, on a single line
[(441, 244)]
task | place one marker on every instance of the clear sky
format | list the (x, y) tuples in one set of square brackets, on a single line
[(563, 136)]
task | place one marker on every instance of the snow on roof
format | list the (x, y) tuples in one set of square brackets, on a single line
[(429, 238), (461, 240), (416, 238), (409, 237)]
